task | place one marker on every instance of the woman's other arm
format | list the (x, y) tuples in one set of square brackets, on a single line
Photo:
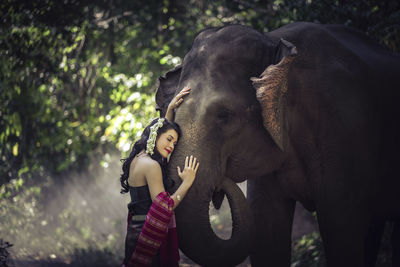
[(155, 181)]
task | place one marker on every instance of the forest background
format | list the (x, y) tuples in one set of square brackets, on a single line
[(77, 86)]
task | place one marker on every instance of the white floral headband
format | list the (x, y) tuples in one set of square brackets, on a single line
[(151, 142)]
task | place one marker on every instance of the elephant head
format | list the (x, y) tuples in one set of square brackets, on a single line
[(230, 122)]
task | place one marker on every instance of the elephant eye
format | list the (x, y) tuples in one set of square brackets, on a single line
[(223, 116)]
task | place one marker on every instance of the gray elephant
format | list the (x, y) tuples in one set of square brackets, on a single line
[(305, 113)]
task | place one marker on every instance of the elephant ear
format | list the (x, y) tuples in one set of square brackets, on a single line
[(166, 89), (271, 89)]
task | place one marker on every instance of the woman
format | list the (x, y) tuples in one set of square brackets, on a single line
[(144, 176)]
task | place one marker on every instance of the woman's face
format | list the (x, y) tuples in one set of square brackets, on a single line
[(166, 142)]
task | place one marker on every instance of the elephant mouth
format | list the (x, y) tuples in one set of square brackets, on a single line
[(220, 213), (221, 218), (224, 239)]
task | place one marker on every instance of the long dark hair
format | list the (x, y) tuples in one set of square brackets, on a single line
[(141, 145)]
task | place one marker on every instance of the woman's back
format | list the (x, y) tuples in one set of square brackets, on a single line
[(140, 200), (137, 169)]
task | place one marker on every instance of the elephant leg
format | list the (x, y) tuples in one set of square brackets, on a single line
[(273, 217), (343, 231), (396, 244), (372, 243)]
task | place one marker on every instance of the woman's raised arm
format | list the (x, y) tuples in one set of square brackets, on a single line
[(175, 102)]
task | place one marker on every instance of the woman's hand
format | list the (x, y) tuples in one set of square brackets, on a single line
[(175, 102), (178, 99), (189, 172), (187, 175)]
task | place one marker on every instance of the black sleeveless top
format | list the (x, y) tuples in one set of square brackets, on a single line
[(140, 200)]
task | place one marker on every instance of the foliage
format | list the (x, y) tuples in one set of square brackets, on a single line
[(4, 254), (378, 19), (80, 217), (77, 74), (77, 81), (308, 251)]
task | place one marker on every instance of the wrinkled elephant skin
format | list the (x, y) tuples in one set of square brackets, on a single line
[(305, 113)]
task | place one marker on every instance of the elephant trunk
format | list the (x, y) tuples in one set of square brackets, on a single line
[(196, 237)]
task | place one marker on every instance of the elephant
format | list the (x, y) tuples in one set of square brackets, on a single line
[(305, 113)]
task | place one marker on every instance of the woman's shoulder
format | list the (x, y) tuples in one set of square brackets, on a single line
[(145, 162)]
